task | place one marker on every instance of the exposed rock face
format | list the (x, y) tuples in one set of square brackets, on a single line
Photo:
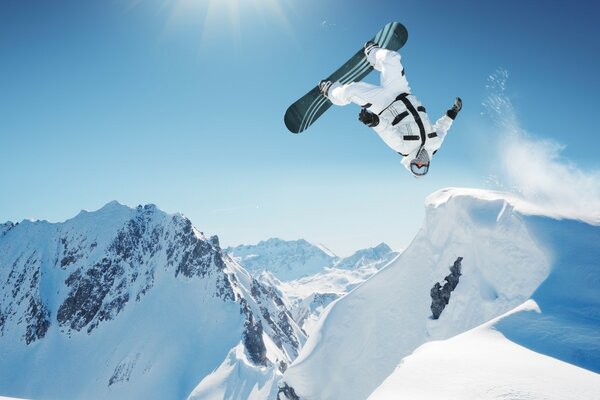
[(287, 393), (38, 321), (5, 227), (440, 296), (99, 292), (21, 298), (253, 341), (278, 321)]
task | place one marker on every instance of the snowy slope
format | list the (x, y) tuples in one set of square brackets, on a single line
[(287, 260), (238, 378), (309, 297), (511, 252), (483, 364), (129, 303)]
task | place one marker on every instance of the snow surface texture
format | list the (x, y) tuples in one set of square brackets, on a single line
[(512, 252), (129, 303), (482, 364)]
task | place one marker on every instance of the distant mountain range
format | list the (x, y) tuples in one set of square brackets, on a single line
[(289, 260)]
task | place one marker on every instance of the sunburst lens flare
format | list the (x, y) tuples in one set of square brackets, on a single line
[(221, 19)]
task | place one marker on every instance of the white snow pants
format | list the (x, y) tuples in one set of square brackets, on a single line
[(402, 136)]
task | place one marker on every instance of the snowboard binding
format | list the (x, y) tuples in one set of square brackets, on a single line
[(370, 45), (324, 86)]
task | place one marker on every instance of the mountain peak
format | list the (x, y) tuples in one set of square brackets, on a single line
[(5, 227), (286, 259), (378, 255)]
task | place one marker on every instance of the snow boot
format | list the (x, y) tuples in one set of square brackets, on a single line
[(324, 87), (370, 45)]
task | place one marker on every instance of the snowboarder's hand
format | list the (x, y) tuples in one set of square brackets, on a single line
[(368, 118)]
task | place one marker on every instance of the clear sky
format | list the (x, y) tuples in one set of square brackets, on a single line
[(180, 103)]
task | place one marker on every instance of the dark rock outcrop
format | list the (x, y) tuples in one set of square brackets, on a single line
[(38, 320), (440, 295), (88, 292), (288, 393), (5, 227), (253, 341)]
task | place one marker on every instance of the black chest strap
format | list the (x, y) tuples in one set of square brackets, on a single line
[(415, 114)]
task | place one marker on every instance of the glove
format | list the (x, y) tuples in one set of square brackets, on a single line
[(368, 118), (453, 111)]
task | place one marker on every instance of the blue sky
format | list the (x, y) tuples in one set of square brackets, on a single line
[(180, 103)]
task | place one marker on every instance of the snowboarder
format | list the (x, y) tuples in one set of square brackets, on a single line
[(392, 111)]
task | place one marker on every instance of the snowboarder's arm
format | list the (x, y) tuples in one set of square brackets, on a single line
[(441, 127)]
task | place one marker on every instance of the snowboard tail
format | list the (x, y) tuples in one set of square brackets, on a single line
[(306, 110)]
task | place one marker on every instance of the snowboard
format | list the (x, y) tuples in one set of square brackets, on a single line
[(306, 110)]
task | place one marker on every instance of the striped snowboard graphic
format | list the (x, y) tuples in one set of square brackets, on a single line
[(304, 112)]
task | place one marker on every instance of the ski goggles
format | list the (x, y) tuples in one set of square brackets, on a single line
[(419, 166)]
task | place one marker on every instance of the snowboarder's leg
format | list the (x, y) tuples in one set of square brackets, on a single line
[(360, 93), (392, 71)]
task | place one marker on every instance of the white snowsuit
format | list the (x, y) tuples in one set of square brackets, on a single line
[(403, 122)]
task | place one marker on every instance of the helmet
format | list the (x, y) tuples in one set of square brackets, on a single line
[(419, 166)]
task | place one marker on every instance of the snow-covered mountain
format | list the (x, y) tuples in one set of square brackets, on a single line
[(285, 259), (478, 256), (376, 257), (132, 303)]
